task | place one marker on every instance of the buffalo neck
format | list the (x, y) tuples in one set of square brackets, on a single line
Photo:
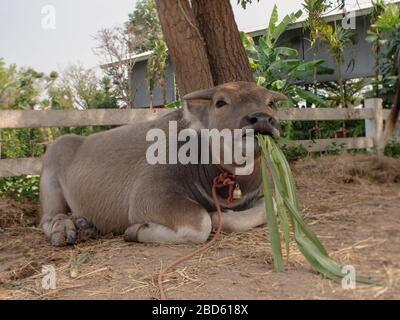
[(199, 187)]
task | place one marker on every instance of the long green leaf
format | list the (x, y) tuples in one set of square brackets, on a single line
[(271, 219), (285, 51), (284, 181), (284, 221), (272, 25), (287, 208)]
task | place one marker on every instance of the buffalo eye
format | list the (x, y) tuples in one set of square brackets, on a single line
[(271, 104), (220, 103)]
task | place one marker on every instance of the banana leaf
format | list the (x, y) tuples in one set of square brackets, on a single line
[(312, 98)]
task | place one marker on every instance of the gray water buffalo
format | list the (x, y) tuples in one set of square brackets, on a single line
[(104, 184)]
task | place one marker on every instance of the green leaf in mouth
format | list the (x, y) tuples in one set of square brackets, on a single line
[(282, 210)]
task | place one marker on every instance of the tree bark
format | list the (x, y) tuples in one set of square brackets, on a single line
[(226, 54), (185, 45), (391, 122)]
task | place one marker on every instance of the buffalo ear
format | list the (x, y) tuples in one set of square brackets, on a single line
[(277, 96), (205, 94)]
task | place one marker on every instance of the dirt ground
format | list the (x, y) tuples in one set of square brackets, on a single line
[(352, 203)]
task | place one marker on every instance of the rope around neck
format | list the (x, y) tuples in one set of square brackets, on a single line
[(223, 180)]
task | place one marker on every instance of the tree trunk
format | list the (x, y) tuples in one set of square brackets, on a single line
[(340, 82), (185, 45), (394, 114), (226, 54)]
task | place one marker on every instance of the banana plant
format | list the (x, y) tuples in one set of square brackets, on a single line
[(337, 39), (355, 91), (314, 22), (156, 69), (278, 67), (385, 34), (378, 6)]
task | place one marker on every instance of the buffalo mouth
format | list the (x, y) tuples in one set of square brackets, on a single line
[(266, 130), (261, 123), (269, 130)]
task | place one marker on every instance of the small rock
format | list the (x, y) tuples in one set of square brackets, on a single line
[(147, 254), (245, 275)]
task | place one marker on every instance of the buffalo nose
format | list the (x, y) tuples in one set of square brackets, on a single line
[(262, 123), (260, 117)]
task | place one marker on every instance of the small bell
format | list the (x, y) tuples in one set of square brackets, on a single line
[(237, 193)]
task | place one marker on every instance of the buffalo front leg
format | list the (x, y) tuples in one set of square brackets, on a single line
[(240, 221), (56, 224)]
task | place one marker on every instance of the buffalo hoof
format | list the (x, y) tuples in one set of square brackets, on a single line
[(85, 229), (63, 231), (131, 234)]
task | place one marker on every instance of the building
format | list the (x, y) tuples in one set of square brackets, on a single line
[(358, 58)]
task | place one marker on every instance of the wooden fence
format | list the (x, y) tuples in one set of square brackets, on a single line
[(373, 114)]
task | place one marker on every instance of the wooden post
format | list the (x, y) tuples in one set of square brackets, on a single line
[(374, 126)]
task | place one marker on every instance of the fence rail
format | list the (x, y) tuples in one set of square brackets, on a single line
[(373, 115), (17, 119)]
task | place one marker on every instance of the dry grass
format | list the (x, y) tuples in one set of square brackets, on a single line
[(353, 169), (351, 202)]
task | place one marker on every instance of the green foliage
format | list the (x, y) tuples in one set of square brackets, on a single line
[(278, 68), (392, 149), (7, 87), (355, 91), (292, 151), (315, 22), (388, 20), (81, 88), (21, 143), (244, 3), (174, 105), (144, 24), (3, 74), (337, 38), (75, 87), (287, 216), (22, 88), (20, 188), (104, 97), (26, 88), (156, 69), (384, 35)]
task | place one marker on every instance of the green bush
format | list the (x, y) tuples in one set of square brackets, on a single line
[(21, 143), (392, 149), (293, 151), (20, 188)]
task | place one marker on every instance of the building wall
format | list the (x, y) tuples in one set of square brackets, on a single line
[(358, 62), (358, 59), (139, 85)]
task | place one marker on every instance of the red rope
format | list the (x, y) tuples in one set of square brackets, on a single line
[(225, 179)]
